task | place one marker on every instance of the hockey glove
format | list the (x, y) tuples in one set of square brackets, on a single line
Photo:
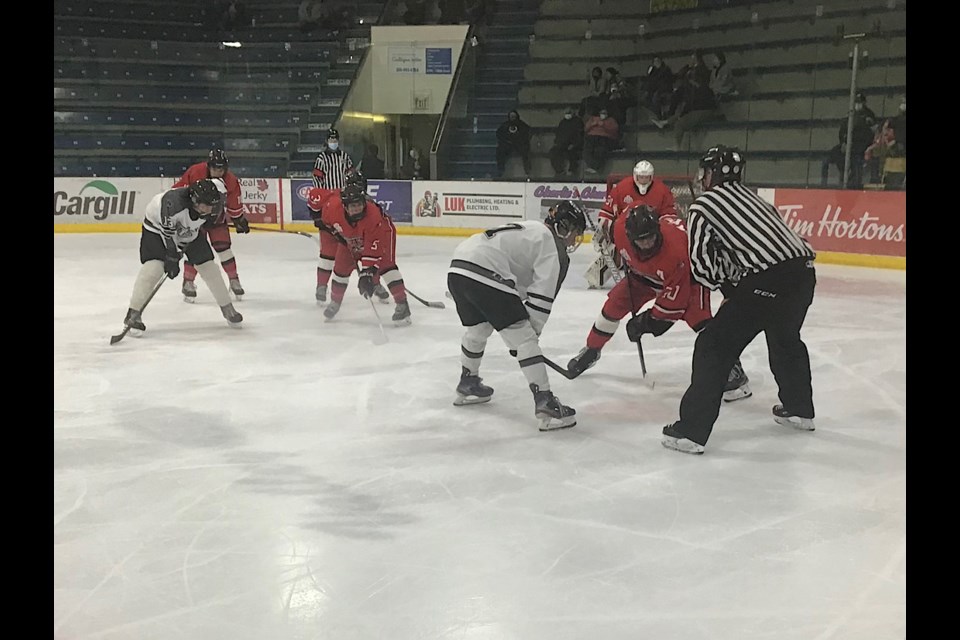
[(171, 264), (645, 323), (241, 224), (365, 284)]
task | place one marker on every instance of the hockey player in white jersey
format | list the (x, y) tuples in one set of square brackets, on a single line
[(171, 227), (506, 279)]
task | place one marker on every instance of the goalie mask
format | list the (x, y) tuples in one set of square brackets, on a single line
[(720, 164), (568, 222), (205, 198), (643, 231), (643, 176), (354, 201)]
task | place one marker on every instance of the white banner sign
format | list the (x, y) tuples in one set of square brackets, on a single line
[(104, 200), (477, 205)]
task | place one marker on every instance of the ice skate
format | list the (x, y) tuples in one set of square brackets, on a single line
[(382, 294), (135, 323), (673, 439), (583, 360), (231, 315), (471, 390), (321, 293), (736, 387), (331, 310), (189, 291), (401, 315), (236, 288), (784, 417), (552, 414)]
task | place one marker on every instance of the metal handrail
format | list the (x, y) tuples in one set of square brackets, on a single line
[(445, 114)]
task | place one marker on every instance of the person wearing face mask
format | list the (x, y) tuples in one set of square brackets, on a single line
[(658, 88), (413, 167), (899, 124), (601, 134), (329, 177), (567, 144), (513, 137), (864, 124)]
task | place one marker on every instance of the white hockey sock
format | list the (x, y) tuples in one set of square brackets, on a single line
[(472, 344), (210, 273), (521, 337), (147, 279)]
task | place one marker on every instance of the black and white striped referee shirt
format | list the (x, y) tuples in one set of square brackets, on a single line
[(330, 168), (733, 232)]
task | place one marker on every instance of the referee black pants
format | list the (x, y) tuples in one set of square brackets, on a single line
[(774, 302)]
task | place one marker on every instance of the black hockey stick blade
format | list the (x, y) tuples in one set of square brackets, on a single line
[(432, 305), (117, 338), (566, 373)]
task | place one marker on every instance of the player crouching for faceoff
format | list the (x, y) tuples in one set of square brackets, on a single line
[(506, 279), (654, 249), (171, 227), (353, 227)]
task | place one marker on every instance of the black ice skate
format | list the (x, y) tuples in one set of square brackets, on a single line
[(135, 323), (471, 390), (737, 387), (784, 417), (231, 315), (189, 291), (673, 439), (331, 310), (236, 288), (382, 294), (401, 315), (321, 293), (583, 360), (552, 414)]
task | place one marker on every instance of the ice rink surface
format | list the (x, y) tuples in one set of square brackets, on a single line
[(290, 480)]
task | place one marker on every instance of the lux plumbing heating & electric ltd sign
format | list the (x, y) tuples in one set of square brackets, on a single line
[(466, 204), (100, 200)]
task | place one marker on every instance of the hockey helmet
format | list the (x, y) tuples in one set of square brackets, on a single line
[(725, 164), (643, 176), (354, 176), (569, 223), (354, 201), (206, 194), (643, 230), (217, 159)]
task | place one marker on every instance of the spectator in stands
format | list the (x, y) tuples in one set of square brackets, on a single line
[(413, 167), (721, 79), (884, 146), (658, 88), (699, 67), (596, 94), (899, 124), (864, 122), (567, 144), (371, 165), (696, 107), (600, 137), (513, 137)]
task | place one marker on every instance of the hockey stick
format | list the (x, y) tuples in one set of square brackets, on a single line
[(633, 314), (566, 373), (117, 338), (382, 338), (299, 233), (605, 255), (432, 305)]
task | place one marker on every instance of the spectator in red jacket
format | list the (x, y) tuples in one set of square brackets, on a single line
[(600, 135)]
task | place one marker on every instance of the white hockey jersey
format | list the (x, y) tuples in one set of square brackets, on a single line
[(168, 214), (522, 258)]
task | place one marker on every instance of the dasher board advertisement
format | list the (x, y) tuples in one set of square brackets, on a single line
[(477, 205)]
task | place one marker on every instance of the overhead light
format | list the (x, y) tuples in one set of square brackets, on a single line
[(231, 44), (365, 116)]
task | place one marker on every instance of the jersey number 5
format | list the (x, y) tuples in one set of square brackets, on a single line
[(506, 227)]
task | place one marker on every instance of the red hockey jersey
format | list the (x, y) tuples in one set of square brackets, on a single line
[(625, 194), (199, 171), (668, 272), (366, 239)]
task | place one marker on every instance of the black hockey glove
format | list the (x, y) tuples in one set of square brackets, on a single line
[(365, 284), (317, 221), (171, 263), (241, 224), (645, 323)]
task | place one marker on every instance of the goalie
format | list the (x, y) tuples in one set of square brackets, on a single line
[(640, 188)]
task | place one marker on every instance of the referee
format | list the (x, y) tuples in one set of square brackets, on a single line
[(739, 244), (332, 164)]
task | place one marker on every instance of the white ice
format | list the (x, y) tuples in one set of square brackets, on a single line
[(290, 480)]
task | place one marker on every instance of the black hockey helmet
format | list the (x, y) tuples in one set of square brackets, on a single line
[(353, 194), (569, 222), (206, 192), (354, 176), (726, 164), (333, 134), (643, 230), (217, 159)]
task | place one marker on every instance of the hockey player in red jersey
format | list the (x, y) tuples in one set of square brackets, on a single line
[(353, 227), (640, 188), (217, 231), (654, 250)]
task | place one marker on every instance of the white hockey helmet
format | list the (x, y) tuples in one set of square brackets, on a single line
[(643, 175)]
